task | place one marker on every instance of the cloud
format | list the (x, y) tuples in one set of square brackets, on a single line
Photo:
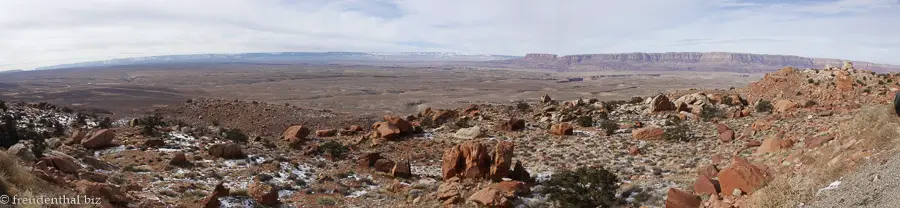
[(41, 33)]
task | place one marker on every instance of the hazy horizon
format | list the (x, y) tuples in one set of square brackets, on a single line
[(47, 33)]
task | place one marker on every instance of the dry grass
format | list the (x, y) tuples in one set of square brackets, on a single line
[(16, 180), (873, 129)]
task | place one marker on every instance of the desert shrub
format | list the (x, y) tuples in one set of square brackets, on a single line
[(105, 123), (149, 123), (609, 126), (335, 149), (764, 106), (522, 106), (2, 105), (810, 80), (867, 90), (890, 80), (324, 200), (636, 100), (235, 135), (711, 112), (679, 131), (727, 100), (215, 122), (585, 121), (67, 110), (880, 82), (584, 187), (80, 120)]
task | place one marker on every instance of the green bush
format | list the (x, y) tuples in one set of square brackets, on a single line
[(324, 200), (810, 80), (584, 187), (764, 106), (680, 131), (335, 149), (727, 100), (149, 123), (609, 126), (711, 112), (810, 103), (585, 121)]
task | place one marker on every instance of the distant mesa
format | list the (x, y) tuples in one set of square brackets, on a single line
[(680, 61)]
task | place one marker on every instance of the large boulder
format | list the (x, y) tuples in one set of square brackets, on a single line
[(742, 175), (468, 133), (682, 199), (452, 163), (492, 197), (227, 151), (773, 144), (62, 163), (326, 133), (783, 106), (404, 126), (476, 158), (263, 193), (661, 103), (21, 151), (77, 136), (562, 129), (843, 81), (503, 154), (705, 185), (519, 173), (98, 139), (384, 165), (449, 191), (387, 130), (297, 132), (546, 99), (648, 133), (401, 169)]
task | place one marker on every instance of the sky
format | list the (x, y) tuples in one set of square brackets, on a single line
[(35, 33)]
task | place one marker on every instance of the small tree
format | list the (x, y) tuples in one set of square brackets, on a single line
[(680, 131), (711, 112), (584, 187), (609, 127)]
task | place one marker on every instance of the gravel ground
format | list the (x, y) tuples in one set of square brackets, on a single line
[(874, 185)]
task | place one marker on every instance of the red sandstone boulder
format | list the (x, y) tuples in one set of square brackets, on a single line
[(661, 103), (387, 130), (452, 163), (742, 175), (817, 141), (326, 133), (404, 126), (562, 129), (726, 136), (212, 201), (297, 132), (704, 185), (476, 158), (513, 125), (227, 151), (648, 133), (682, 199), (401, 170), (98, 139), (263, 193), (503, 154)]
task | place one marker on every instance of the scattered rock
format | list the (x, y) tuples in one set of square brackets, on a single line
[(562, 129), (648, 133), (107, 192), (742, 175), (468, 133), (449, 191), (61, 163), (295, 133), (227, 151), (503, 154), (513, 124), (661, 103), (263, 193), (492, 197), (386, 130), (404, 126)]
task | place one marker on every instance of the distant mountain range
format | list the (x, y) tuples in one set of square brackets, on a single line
[(291, 57), (673, 61), (679, 61)]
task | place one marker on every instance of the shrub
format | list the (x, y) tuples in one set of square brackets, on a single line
[(810, 80), (522, 106), (9, 134), (105, 123), (2, 105), (727, 100), (584, 187), (890, 80), (867, 90), (680, 131), (324, 200), (149, 123), (764, 106), (335, 149), (67, 110), (235, 135), (710, 112), (880, 82), (810, 103), (585, 121), (609, 126)]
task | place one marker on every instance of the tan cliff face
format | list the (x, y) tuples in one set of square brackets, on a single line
[(683, 61)]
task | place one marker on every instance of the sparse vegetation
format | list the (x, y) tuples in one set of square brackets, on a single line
[(3, 105), (335, 149), (810, 80), (764, 106), (609, 126), (105, 123), (867, 90), (325, 200), (810, 103), (711, 112), (584, 187), (727, 100), (149, 123), (585, 121), (522, 106), (235, 135), (679, 131)]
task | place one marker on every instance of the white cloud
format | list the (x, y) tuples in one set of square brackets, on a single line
[(40, 33)]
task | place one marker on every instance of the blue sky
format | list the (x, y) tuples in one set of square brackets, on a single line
[(49, 32)]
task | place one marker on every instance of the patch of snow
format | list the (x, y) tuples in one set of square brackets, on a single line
[(831, 186)]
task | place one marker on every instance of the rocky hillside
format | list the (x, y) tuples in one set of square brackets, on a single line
[(681, 61), (775, 143)]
